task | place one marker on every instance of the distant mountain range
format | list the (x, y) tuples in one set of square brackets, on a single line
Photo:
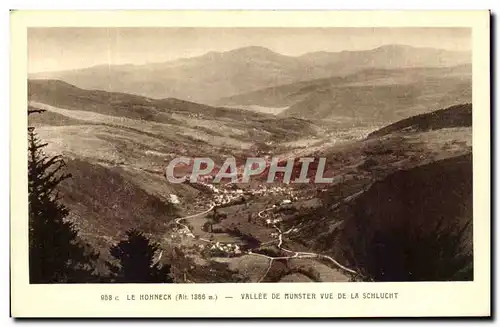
[(215, 75), (118, 127), (367, 96)]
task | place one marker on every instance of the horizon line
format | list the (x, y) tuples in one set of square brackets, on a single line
[(246, 47)]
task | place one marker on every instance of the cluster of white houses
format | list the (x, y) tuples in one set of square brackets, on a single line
[(226, 247), (273, 221), (227, 197), (183, 231), (222, 196), (264, 190)]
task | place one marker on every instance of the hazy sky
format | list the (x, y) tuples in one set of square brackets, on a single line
[(52, 49)]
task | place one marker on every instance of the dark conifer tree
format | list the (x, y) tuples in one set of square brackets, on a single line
[(136, 263), (55, 255)]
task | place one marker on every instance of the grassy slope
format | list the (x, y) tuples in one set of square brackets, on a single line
[(180, 117), (384, 159), (455, 116), (104, 204), (383, 103), (135, 173), (289, 94), (397, 220), (52, 119), (375, 95), (62, 94), (117, 146)]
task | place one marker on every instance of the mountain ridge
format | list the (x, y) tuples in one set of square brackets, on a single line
[(261, 48), (215, 75)]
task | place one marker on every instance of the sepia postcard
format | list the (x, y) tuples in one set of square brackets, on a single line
[(250, 164)]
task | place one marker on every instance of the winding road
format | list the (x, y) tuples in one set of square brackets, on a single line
[(178, 220), (293, 254), (298, 254)]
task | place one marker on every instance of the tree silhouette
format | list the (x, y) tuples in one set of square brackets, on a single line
[(135, 255), (55, 253)]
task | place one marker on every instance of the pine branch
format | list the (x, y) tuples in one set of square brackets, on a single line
[(32, 110)]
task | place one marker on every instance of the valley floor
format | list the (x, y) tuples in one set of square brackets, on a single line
[(252, 218)]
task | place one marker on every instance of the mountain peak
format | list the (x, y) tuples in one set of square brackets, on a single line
[(394, 47), (253, 50)]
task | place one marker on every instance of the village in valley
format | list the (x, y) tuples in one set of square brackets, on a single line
[(227, 195), (244, 164)]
